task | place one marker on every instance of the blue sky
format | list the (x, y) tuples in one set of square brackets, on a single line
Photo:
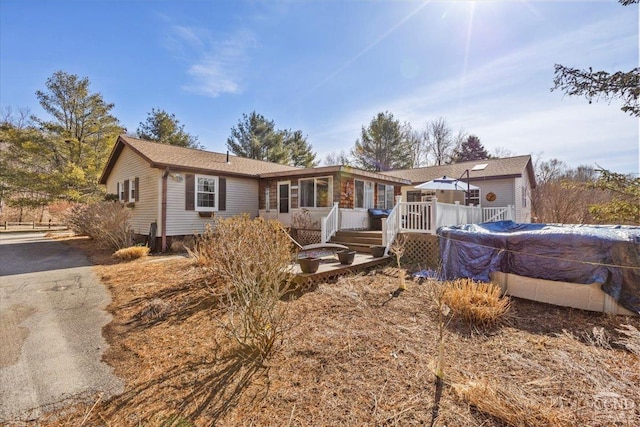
[(327, 67)]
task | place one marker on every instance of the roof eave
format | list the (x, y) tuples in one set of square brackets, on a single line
[(203, 171), (323, 170)]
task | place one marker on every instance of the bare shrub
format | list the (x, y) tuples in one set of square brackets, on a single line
[(598, 337), (131, 253), (437, 295), (397, 250), (511, 405), (178, 246), (107, 223), (303, 220), (478, 303), (251, 259), (183, 244), (304, 228)]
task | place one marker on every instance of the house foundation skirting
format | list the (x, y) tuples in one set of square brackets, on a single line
[(156, 244), (421, 250)]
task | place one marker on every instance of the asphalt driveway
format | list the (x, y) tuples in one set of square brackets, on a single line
[(51, 319)]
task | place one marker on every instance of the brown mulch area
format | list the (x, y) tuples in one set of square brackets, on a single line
[(353, 355)]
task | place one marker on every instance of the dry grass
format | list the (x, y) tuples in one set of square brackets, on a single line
[(355, 356), (131, 253), (480, 304), (630, 338), (510, 404), (183, 245)]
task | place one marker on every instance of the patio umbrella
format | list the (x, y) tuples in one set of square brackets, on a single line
[(446, 183)]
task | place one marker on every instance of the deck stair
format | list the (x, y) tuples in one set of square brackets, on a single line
[(356, 240)]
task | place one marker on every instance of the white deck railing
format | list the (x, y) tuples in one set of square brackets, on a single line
[(418, 217), (354, 219), (329, 224), (407, 217), (426, 217), (391, 225), (499, 214), (456, 214)]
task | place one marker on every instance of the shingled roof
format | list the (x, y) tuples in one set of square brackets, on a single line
[(509, 167), (190, 160)]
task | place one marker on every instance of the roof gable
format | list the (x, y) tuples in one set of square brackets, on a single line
[(163, 156), (509, 167)]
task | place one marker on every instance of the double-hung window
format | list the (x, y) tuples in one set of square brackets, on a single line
[(120, 191), (206, 187), (363, 194), (132, 189), (385, 196), (315, 192)]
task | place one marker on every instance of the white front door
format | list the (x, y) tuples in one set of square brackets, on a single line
[(284, 203)]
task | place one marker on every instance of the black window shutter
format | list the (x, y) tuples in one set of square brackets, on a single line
[(126, 190), (137, 188), (189, 192), (118, 189), (222, 197)]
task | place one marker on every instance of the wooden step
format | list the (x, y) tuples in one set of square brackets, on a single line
[(358, 233), (361, 240), (363, 248), (358, 240)]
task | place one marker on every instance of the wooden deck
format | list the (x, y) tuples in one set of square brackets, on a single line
[(330, 268)]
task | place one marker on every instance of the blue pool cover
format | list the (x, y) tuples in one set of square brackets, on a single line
[(609, 255)]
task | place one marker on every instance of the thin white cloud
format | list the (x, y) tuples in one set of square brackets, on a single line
[(215, 64), (507, 102)]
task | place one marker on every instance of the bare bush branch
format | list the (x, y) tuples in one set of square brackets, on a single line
[(251, 259)]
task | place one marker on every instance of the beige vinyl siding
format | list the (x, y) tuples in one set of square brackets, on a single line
[(504, 189), (129, 166), (523, 210), (242, 197)]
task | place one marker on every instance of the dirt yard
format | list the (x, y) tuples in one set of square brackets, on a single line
[(353, 355)]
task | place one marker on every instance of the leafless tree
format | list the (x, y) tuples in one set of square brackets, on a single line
[(563, 194), (18, 119), (336, 158), (440, 141)]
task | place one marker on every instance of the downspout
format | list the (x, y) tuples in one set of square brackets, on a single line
[(163, 211)]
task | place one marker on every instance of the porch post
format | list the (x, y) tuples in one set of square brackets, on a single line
[(398, 223), (384, 231), (323, 229), (434, 215)]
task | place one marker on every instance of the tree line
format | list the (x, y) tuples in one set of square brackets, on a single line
[(584, 195), (61, 156), (388, 144), (43, 160)]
